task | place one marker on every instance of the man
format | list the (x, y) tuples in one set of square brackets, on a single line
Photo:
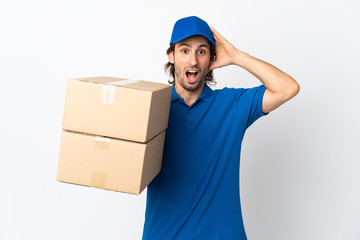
[(196, 194)]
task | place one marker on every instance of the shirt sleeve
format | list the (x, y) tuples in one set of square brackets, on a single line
[(251, 100)]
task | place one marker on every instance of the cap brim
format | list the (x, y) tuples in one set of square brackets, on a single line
[(194, 34)]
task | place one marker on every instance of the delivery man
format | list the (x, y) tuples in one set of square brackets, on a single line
[(196, 194)]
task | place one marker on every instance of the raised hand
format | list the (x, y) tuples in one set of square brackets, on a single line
[(225, 51)]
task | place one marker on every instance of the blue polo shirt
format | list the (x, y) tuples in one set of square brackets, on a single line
[(196, 195)]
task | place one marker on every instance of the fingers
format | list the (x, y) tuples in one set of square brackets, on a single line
[(224, 51), (217, 35)]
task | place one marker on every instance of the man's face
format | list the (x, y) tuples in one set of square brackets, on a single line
[(191, 58)]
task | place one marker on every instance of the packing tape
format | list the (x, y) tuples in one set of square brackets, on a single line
[(98, 179), (124, 82), (108, 94), (102, 143)]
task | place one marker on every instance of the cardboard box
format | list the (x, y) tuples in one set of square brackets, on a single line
[(118, 108), (108, 163)]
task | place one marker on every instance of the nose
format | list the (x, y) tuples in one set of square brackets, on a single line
[(193, 59)]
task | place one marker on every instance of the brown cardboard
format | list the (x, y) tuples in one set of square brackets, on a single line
[(117, 108), (109, 163)]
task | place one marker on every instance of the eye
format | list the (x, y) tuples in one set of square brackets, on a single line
[(201, 52), (184, 50)]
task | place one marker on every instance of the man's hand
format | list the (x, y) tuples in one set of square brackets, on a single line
[(225, 51), (280, 87)]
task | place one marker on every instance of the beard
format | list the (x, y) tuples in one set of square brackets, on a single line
[(180, 76)]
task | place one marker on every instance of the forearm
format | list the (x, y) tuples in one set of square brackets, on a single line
[(275, 80), (280, 87)]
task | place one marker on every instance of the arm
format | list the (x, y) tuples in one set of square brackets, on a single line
[(280, 87)]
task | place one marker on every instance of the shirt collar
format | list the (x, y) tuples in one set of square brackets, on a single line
[(205, 94)]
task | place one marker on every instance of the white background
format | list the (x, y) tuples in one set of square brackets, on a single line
[(300, 165)]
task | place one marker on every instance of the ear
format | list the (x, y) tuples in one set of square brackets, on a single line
[(171, 57)]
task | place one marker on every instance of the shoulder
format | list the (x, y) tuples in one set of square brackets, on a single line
[(239, 92), (227, 92)]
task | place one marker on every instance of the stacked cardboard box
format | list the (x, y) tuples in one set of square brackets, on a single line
[(114, 131)]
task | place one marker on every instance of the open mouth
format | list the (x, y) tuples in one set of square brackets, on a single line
[(192, 75)]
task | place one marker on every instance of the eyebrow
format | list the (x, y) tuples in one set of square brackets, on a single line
[(200, 46), (203, 45)]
